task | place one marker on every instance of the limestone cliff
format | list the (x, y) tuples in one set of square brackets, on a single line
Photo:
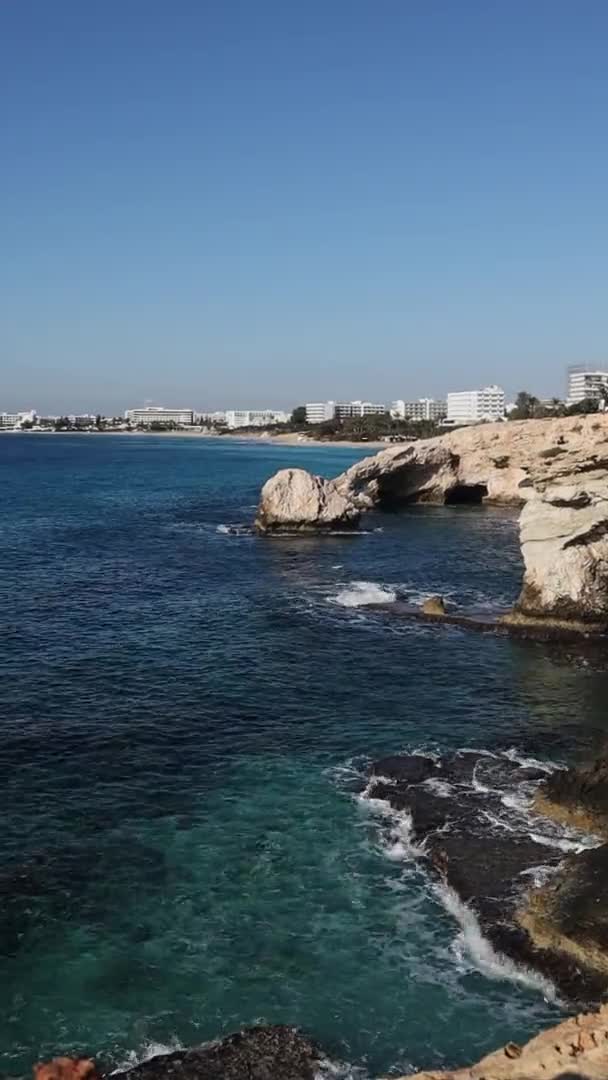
[(557, 468)]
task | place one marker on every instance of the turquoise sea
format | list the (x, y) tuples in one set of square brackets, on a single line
[(187, 717)]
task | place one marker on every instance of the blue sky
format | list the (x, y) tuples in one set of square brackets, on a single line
[(263, 202)]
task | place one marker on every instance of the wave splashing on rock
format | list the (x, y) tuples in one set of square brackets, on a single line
[(468, 818)]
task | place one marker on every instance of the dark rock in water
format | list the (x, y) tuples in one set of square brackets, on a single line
[(257, 1053), (408, 769), (471, 827)]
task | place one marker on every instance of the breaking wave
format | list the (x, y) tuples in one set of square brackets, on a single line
[(472, 945), (362, 593)]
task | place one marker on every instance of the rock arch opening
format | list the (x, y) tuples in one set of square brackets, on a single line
[(473, 494)]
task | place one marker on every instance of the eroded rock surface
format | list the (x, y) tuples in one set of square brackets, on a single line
[(501, 463), (557, 468), (564, 542), (258, 1053), (296, 501)]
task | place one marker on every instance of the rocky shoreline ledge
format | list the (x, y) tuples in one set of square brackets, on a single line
[(557, 470), (518, 849), (576, 1049)]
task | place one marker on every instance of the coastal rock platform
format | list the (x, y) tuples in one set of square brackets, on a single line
[(499, 865), (507, 624)]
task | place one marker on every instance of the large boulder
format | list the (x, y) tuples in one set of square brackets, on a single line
[(564, 542), (296, 501)]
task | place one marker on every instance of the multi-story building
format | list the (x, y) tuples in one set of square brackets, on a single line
[(317, 412), (13, 421), (237, 418), (159, 415), (217, 418), (475, 406), (346, 409), (423, 409), (586, 383)]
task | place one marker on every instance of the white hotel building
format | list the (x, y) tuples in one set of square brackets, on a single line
[(317, 412), (159, 415), (475, 406), (422, 409), (237, 418), (586, 383)]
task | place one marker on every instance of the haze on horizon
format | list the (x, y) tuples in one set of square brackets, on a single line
[(231, 204)]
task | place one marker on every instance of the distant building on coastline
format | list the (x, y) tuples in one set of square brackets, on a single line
[(586, 384), (475, 406), (15, 421), (159, 415), (422, 409), (238, 418), (318, 412)]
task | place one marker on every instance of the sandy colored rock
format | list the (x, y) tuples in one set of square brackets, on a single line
[(294, 500), (509, 460), (576, 1049), (564, 542), (65, 1068), (558, 468), (435, 605)]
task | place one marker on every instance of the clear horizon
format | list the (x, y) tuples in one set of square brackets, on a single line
[(222, 205)]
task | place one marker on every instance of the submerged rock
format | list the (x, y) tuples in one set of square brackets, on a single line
[(296, 501), (257, 1053)]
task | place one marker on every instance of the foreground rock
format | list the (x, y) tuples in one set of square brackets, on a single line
[(576, 1049), (499, 865), (258, 1053), (296, 501)]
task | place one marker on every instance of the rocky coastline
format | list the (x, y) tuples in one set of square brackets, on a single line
[(556, 470), (519, 851), (576, 1049)]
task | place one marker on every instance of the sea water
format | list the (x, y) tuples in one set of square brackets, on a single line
[(187, 716)]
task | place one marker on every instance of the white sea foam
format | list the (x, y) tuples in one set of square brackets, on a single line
[(471, 944), (362, 593), (567, 844), (530, 762), (146, 1052), (338, 1070), (234, 530), (440, 787)]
